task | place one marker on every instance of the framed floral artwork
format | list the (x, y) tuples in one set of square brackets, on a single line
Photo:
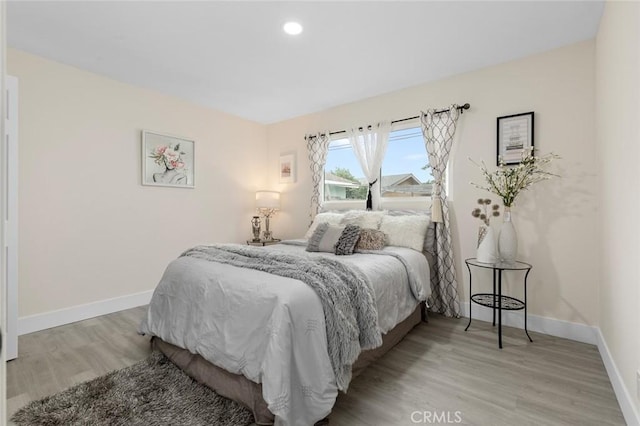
[(287, 168), (167, 160), (515, 137)]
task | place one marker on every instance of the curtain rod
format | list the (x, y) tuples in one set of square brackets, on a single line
[(461, 108)]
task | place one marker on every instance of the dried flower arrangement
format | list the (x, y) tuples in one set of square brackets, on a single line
[(482, 214), (508, 181)]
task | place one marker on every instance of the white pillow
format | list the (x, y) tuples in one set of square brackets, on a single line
[(405, 231), (330, 218), (363, 218)]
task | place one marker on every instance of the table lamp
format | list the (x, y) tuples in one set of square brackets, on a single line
[(267, 203)]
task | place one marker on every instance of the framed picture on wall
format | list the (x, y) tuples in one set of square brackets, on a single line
[(287, 168), (515, 135), (167, 160)]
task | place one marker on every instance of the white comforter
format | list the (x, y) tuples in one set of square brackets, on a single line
[(271, 329)]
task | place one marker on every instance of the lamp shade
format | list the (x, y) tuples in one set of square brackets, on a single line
[(268, 200)]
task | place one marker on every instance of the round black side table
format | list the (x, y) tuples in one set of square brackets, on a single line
[(496, 300)]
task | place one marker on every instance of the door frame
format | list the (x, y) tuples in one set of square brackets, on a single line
[(10, 214), (3, 287)]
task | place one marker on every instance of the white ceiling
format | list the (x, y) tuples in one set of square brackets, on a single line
[(234, 56)]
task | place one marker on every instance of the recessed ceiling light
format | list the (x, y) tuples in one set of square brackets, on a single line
[(292, 28)]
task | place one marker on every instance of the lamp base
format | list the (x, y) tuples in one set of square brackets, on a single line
[(266, 234)]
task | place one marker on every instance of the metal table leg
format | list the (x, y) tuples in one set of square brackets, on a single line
[(525, 305), (470, 301), (495, 302), (500, 308)]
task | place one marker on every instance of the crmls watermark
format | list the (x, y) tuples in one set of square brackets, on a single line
[(436, 417)]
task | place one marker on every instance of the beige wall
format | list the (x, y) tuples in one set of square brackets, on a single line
[(89, 230), (618, 118), (557, 221)]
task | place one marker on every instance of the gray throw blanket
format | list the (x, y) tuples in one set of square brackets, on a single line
[(347, 298), (416, 288)]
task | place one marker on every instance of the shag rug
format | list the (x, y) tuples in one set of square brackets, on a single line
[(151, 392)]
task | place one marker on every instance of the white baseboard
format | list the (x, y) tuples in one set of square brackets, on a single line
[(553, 327), (624, 397), (32, 323)]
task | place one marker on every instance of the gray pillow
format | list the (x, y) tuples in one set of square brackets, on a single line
[(430, 239), (325, 237), (348, 239)]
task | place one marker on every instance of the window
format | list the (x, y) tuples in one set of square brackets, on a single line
[(405, 168), (405, 171), (343, 178)]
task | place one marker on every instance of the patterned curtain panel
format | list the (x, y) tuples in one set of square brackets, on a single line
[(318, 146), (369, 145), (438, 131)]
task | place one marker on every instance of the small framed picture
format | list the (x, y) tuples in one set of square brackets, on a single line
[(287, 168), (167, 160), (515, 135)]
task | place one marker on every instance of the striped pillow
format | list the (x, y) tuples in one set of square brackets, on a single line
[(325, 238)]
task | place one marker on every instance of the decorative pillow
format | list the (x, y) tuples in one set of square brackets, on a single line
[(371, 239), (363, 218), (405, 231), (332, 218), (325, 238), (348, 239), (430, 239)]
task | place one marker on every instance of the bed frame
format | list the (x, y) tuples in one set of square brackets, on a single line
[(248, 393)]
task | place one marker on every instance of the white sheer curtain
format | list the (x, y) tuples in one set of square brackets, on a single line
[(318, 146), (438, 130), (369, 145)]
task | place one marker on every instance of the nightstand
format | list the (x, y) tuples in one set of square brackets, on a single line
[(262, 242), (496, 300)]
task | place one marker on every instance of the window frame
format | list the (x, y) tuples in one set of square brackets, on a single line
[(386, 203)]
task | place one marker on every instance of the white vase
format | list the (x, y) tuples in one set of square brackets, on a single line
[(507, 239), (486, 249)]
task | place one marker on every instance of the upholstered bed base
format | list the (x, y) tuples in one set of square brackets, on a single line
[(248, 393)]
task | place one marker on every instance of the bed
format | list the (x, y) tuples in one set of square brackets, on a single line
[(261, 339)]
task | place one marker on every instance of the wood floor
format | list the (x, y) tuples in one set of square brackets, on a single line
[(438, 374)]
